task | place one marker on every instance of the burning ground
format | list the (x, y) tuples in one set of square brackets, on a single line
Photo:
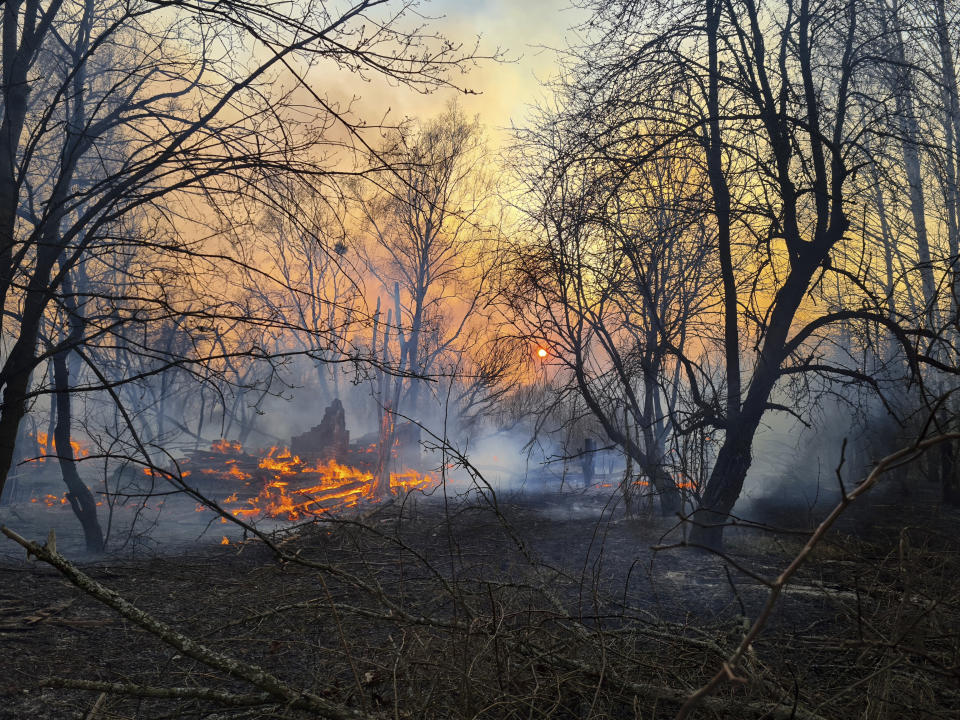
[(275, 483), (272, 485), (532, 605)]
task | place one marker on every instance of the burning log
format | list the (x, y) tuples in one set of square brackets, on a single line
[(320, 473), (225, 464), (278, 483)]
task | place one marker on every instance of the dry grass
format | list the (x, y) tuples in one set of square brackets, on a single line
[(518, 612)]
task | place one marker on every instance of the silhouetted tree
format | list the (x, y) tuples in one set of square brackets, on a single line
[(155, 130), (777, 104)]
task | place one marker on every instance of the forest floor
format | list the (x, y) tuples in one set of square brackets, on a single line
[(545, 604)]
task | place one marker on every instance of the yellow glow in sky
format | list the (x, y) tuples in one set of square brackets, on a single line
[(525, 32)]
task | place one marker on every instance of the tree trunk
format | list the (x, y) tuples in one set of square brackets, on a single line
[(381, 485), (724, 486), (903, 88), (662, 481), (949, 482), (16, 373), (951, 122), (81, 499)]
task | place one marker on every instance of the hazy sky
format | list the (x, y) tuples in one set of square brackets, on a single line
[(520, 29)]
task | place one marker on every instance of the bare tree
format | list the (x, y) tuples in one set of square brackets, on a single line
[(426, 227), (611, 276), (777, 103), (317, 302), (176, 115)]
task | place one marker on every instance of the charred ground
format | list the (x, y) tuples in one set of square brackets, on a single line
[(541, 605)]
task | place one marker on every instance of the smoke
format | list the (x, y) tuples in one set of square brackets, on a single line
[(792, 469), (798, 467), (508, 461)]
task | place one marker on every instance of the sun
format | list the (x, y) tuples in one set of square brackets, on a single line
[(541, 353)]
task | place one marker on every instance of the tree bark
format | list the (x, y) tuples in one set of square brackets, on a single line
[(724, 486), (903, 88), (81, 499)]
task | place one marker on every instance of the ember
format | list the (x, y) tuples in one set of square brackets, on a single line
[(50, 500)]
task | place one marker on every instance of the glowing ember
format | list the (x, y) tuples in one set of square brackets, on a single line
[(678, 481), (56, 500), (225, 446), (51, 500)]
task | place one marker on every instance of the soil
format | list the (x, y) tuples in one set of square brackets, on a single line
[(543, 604)]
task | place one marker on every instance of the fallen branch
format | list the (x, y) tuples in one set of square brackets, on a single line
[(147, 691), (252, 674), (97, 706), (649, 691)]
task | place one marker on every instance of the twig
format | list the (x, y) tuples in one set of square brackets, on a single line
[(95, 710), (728, 668), (722, 705)]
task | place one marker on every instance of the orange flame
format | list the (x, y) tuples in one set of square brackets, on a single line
[(48, 446), (225, 446), (290, 487), (51, 500), (294, 488)]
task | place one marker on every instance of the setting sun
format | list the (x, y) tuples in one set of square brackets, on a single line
[(541, 353)]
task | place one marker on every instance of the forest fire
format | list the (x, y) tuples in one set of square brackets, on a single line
[(46, 449), (680, 480), (277, 483), (671, 299)]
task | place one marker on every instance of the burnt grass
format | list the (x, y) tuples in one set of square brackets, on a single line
[(543, 605)]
